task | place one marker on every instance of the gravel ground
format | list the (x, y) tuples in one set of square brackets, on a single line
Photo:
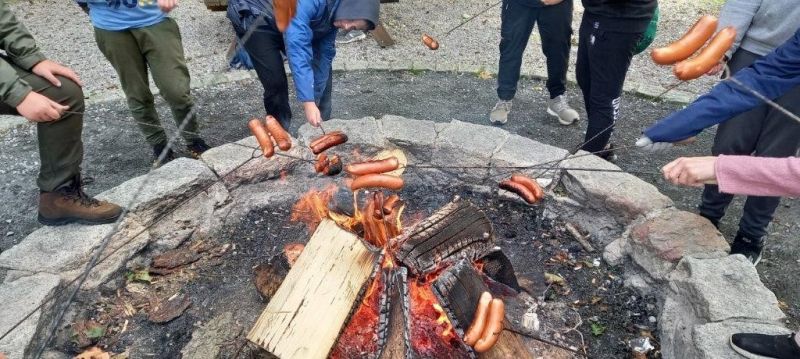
[(65, 34), (115, 151)]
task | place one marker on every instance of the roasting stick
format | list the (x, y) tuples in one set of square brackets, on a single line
[(545, 341), (471, 18)]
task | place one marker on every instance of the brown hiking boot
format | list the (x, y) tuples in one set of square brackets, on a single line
[(69, 204)]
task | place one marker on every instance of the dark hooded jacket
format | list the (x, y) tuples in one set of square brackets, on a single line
[(620, 15)]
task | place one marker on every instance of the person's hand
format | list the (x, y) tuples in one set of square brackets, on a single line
[(312, 113), (167, 5), (551, 2), (50, 69), (646, 144), (691, 171), (38, 108)]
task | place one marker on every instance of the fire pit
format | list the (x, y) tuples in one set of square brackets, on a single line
[(179, 278)]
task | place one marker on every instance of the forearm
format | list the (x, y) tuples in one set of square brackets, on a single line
[(758, 176), (12, 89), (16, 41)]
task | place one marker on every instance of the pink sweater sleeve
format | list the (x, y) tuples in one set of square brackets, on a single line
[(758, 176)]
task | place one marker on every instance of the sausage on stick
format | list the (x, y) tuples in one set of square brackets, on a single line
[(520, 190), (327, 141), (279, 134), (710, 56), (263, 138), (494, 326), (475, 329), (389, 182), (374, 166), (684, 47)]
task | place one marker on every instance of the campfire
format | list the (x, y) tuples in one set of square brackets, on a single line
[(373, 284)]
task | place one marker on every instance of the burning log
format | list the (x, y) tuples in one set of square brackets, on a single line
[(325, 282), (459, 289), (457, 230), (393, 336)]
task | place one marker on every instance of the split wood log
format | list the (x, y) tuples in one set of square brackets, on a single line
[(459, 290), (306, 314), (457, 230), (393, 334)]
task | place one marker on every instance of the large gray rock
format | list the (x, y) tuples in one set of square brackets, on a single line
[(468, 145), (20, 298), (196, 218), (241, 162), (711, 341), (64, 251), (660, 242), (208, 340), (153, 194), (364, 131), (724, 288), (520, 151), (622, 194), (416, 137)]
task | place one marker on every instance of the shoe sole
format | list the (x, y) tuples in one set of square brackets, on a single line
[(70, 220), (357, 38), (743, 352), (560, 120)]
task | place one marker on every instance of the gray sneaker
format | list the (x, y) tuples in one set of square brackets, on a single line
[(500, 112), (347, 37), (559, 107)]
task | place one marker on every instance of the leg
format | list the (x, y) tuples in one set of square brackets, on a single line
[(161, 45), (326, 102), (61, 199), (583, 65), (555, 29), (610, 54), (124, 54), (737, 136), (264, 46), (517, 22), (779, 137)]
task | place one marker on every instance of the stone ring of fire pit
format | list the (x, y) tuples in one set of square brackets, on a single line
[(704, 294)]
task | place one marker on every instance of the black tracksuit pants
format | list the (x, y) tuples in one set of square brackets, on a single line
[(764, 132), (603, 60), (266, 48), (555, 29)]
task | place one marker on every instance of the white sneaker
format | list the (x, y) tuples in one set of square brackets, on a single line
[(559, 107), (500, 112), (346, 37)]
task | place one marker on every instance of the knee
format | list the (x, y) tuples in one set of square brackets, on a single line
[(71, 93), (177, 96)]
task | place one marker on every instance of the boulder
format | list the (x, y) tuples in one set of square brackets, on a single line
[(228, 162), (20, 298), (208, 339), (466, 144), (415, 137)]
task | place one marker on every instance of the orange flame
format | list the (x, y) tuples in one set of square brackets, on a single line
[(425, 304), (313, 207)]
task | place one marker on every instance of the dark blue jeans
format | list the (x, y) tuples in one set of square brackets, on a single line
[(763, 132), (555, 29), (266, 48)]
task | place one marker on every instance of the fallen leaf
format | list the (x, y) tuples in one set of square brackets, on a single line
[(595, 300), (87, 332), (293, 251), (484, 75), (551, 278), (783, 306), (598, 329), (170, 309), (93, 353), (268, 277), (139, 276)]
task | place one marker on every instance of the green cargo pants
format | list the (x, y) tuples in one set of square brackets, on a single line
[(158, 47), (60, 145)]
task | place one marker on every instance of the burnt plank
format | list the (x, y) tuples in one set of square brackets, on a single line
[(457, 230), (393, 335)]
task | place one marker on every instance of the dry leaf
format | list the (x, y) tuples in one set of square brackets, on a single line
[(170, 309), (93, 353), (551, 278), (293, 251), (484, 75)]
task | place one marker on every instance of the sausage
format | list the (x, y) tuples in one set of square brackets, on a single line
[(375, 166), (520, 190), (390, 203), (284, 11), (321, 163), (327, 141), (430, 42), (279, 134), (377, 181), (691, 41), (708, 58), (494, 326), (263, 138), (334, 166), (530, 184), (479, 320)]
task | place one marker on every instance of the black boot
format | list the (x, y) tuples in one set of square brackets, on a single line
[(157, 150), (749, 247), (197, 147)]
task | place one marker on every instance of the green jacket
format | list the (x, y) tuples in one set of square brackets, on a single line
[(21, 50)]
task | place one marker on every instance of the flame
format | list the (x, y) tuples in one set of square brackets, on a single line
[(358, 336), (313, 207), (425, 305)]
